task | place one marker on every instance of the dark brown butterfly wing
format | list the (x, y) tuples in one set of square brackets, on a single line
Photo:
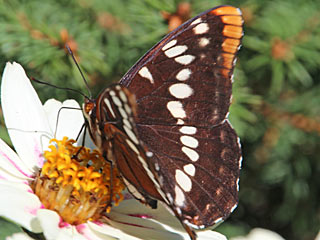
[(183, 88)]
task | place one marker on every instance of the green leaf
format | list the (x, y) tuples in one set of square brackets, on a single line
[(8, 228)]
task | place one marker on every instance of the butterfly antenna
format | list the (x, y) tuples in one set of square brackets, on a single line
[(75, 61), (63, 88)]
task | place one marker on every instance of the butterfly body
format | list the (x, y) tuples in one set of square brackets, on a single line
[(113, 131), (165, 126)]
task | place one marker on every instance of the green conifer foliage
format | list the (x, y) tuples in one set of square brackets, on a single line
[(276, 93)]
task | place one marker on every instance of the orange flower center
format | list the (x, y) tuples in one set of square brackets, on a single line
[(78, 188)]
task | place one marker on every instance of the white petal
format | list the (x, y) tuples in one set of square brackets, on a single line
[(260, 234), (19, 236), (51, 107), (156, 223), (19, 204), (69, 116), (52, 229), (162, 214), (107, 232), (210, 235), (24, 116), (11, 166), (142, 228)]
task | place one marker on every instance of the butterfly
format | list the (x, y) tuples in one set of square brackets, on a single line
[(165, 124)]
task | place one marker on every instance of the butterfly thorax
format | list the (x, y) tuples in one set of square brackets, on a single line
[(89, 112)]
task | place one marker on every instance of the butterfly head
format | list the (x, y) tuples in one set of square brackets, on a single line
[(88, 107), (90, 116)]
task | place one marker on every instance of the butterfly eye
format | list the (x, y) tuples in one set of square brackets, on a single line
[(88, 106)]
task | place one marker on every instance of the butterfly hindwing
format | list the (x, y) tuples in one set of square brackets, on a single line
[(116, 134), (183, 90)]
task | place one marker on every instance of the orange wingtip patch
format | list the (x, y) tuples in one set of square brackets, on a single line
[(226, 10), (233, 20), (230, 45), (232, 31), (225, 72), (227, 56), (231, 42), (229, 49), (228, 60)]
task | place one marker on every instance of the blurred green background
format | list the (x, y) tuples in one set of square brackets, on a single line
[(276, 94)]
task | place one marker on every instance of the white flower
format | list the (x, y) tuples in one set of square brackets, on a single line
[(260, 234), (31, 125)]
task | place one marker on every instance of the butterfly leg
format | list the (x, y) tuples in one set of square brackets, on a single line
[(109, 205), (192, 234)]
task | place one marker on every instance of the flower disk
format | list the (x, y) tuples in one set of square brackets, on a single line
[(78, 188)]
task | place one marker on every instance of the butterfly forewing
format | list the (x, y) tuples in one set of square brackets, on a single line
[(183, 90), (114, 131), (197, 56)]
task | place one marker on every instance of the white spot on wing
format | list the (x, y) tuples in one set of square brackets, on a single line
[(123, 96), (152, 177), (238, 184), (184, 74), (189, 141), (190, 169), (123, 112), (178, 210), (149, 154), (218, 220), (188, 130), (183, 180), (179, 196), (131, 135), (157, 167), (107, 102), (169, 197), (133, 190), (240, 162), (185, 59), (127, 123), (234, 207), (204, 42), (180, 90), (146, 167), (127, 108), (175, 51), (145, 73), (196, 21), (201, 28), (180, 122), (116, 101), (132, 146), (192, 154), (193, 225), (169, 44), (176, 109)]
